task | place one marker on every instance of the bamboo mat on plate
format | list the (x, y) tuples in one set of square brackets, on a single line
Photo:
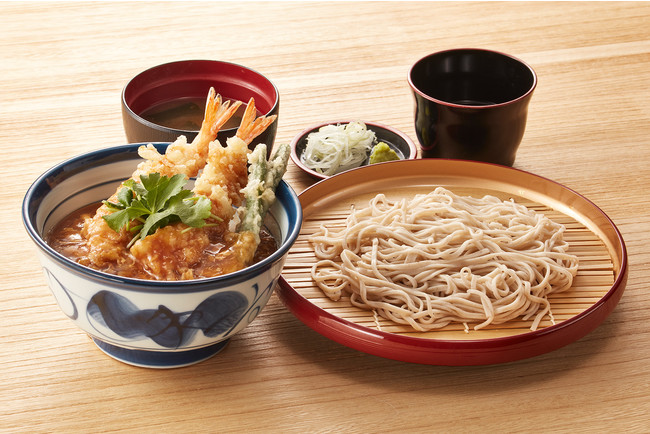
[(594, 279)]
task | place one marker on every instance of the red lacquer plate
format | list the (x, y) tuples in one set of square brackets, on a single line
[(592, 236)]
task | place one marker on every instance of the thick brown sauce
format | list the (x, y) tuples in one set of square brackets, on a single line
[(66, 239)]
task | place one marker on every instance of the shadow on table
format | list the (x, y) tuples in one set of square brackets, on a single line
[(390, 374)]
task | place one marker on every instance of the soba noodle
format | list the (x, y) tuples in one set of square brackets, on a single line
[(441, 258)]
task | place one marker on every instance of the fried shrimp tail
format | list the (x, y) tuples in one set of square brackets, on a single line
[(251, 127), (225, 173), (184, 249), (216, 115), (189, 158), (222, 180), (104, 243)]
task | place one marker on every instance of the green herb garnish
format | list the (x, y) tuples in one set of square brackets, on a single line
[(155, 202)]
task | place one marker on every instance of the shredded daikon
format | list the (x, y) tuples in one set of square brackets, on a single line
[(335, 148)]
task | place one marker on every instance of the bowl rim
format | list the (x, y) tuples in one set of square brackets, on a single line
[(417, 91), (413, 149), (178, 131), (29, 208)]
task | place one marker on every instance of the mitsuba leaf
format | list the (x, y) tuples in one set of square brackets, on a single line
[(125, 196), (155, 202), (163, 217), (194, 211), (159, 189), (116, 220)]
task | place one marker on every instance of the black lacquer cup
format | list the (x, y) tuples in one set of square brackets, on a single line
[(471, 104)]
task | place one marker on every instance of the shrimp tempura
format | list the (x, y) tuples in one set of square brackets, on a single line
[(225, 173), (106, 245), (181, 157), (224, 176)]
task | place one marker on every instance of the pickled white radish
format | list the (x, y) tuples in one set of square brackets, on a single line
[(336, 148)]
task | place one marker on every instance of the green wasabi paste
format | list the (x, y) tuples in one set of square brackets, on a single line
[(382, 152)]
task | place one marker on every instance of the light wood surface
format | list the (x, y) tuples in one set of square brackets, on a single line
[(62, 69)]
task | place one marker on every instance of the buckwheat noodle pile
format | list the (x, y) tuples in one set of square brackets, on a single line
[(440, 258)]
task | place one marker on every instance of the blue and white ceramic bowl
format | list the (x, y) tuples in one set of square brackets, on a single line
[(143, 322)]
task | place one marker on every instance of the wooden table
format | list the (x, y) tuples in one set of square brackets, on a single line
[(63, 67)]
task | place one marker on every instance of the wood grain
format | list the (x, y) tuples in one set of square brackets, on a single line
[(63, 67)]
